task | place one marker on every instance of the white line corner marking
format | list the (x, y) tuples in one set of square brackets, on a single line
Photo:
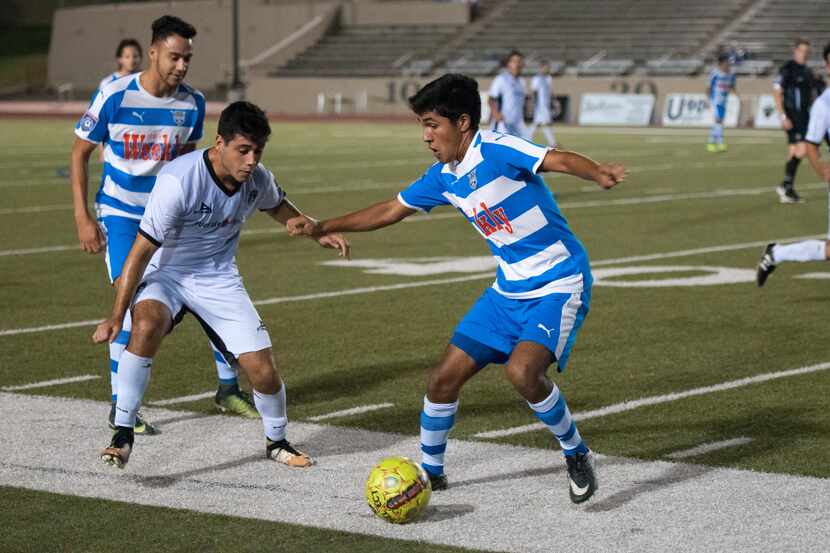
[(708, 448), (49, 383), (656, 400)]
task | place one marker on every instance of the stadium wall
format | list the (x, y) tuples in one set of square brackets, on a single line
[(82, 48), (387, 96)]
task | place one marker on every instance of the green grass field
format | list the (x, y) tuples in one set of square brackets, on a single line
[(353, 349)]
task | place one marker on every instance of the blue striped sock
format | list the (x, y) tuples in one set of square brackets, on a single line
[(224, 371), (554, 412), (116, 349), (437, 420)]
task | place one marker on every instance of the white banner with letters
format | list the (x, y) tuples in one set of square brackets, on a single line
[(767, 115), (694, 110), (616, 109)]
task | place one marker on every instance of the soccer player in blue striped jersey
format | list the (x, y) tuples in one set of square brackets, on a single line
[(128, 56), (721, 83), (143, 121), (529, 317)]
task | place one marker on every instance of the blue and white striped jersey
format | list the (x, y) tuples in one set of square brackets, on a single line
[(720, 84), (497, 189), (140, 133)]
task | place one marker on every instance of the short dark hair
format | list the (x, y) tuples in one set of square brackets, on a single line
[(511, 54), (826, 52), (723, 57), (128, 43), (801, 40), (451, 96), (168, 25), (246, 119)]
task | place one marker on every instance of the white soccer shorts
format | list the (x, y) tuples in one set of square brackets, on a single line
[(219, 302)]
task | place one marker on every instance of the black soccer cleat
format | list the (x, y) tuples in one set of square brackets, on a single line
[(788, 195), (120, 448), (142, 426), (765, 266), (438, 481), (582, 476)]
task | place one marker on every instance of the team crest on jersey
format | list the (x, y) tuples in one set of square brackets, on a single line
[(179, 117), (88, 122), (473, 179)]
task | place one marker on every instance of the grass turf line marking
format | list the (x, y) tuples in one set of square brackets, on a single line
[(417, 284), (656, 400), (183, 399), (353, 411), (708, 448), (50, 383)]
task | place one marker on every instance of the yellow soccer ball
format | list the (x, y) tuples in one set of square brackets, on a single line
[(398, 490)]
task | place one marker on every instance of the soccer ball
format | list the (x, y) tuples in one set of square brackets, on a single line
[(398, 490)]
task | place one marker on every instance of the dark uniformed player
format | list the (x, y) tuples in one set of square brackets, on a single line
[(794, 92)]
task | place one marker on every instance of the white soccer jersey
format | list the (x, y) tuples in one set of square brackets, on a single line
[(196, 221), (509, 92), (542, 86), (819, 119)]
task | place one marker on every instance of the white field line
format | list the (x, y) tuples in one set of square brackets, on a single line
[(439, 216), (35, 209), (349, 412), (708, 448), (647, 506), (183, 399), (49, 383), (420, 283), (657, 400)]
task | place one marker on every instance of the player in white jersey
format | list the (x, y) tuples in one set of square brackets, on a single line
[(143, 121), (508, 94), (528, 319), (818, 129), (542, 87), (187, 244)]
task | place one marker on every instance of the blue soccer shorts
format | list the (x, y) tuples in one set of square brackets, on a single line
[(719, 112), (120, 234), (495, 324)]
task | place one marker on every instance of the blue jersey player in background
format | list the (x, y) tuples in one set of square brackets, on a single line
[(721, 83), (528, 319), (143, 121)]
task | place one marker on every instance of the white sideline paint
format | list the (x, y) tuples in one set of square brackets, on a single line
[(643, 506), (50, 383), (657, 400), (182, 399), (349, 412), (816, 276), (45, 249), (708, 448), (404, 285)]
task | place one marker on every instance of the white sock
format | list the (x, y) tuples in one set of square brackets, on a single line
[(548, 132), (133, 377), (271, 408), (116, 349), (808, 250)]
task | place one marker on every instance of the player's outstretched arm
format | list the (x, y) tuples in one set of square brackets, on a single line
[(287, 212), (607, 175), (375, 216), (90, 236), (131, 274), (821, 169)]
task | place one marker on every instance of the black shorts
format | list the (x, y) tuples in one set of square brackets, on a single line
[(799, 130)]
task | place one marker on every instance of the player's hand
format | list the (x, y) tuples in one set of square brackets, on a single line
[(786, 123), (303, 226), (610, 174), (336, 242), (107, 331), (89, 235)]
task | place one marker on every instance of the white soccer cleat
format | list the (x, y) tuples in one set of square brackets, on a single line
[(283, 452)]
